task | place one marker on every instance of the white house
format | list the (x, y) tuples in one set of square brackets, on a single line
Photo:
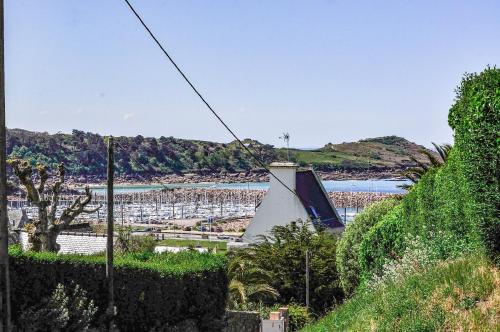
[(281, 206)]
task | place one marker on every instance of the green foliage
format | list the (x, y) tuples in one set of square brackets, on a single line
[(248, 283), (64, 310), (283, 254), (348, 246), (438, 209), (84, 153), (463, 295), (475, 119), (299, 317), (219, 246), (151, 290), (128, 243)]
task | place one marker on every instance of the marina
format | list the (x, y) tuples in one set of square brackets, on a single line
[(150, 205)]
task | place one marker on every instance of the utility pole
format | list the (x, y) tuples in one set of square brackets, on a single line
[(307, 279), (109, 244), (4, 222)]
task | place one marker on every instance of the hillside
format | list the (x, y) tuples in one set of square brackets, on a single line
[(85, 154), (389, 152), (461, 295)]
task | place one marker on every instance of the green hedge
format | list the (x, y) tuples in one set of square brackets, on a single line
[(453, 208), (150, 290), (475, 119), (439, 209), (348, 246)]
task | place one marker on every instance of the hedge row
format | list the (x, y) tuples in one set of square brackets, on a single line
[(348, 246), (475, 119), (454, 208), (151, 291), (439, 210)]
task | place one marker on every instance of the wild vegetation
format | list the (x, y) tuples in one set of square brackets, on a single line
[(279, 261), (460, 295), (84, 154), (428, 262)]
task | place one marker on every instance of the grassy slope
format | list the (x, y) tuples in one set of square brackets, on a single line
[(382, 152), (463, 295)]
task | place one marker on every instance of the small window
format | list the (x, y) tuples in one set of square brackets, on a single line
[(313, 212)]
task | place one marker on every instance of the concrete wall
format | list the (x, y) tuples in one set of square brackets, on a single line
[(242, 321), (74, 244), (279, 206)]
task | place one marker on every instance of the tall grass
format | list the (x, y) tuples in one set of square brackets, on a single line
[(461, 295)]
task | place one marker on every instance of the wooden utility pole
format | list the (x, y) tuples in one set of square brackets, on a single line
[(109, 244), (4, 222), (307, 279)]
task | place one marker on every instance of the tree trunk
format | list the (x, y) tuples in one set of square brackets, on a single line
[(51, 240), (43, 239)]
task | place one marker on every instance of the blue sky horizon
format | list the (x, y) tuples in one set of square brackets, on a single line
[(324, 71)]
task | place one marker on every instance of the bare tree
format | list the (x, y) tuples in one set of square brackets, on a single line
[(42, 234)]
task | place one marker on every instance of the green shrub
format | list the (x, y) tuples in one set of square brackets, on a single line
[(475, 119), (128, 243), (64, 310), (383, 242), (348, 246), (151, 290), (299, 317)]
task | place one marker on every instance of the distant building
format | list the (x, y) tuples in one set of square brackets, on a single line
[(280, 206)]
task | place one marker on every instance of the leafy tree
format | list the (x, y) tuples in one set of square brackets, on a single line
[(248, 283), (283, 254)]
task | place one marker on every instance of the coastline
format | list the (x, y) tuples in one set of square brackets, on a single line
[(242, 177)]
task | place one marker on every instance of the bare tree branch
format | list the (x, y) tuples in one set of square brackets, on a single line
[(42, 172), (56, 191), (78, 207), (23, 171)]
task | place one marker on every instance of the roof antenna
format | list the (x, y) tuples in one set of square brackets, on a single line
[(286, 139)]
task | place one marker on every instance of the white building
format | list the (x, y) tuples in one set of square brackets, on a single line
[(281, 206)]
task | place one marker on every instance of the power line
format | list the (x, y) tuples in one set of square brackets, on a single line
[(203, 99)]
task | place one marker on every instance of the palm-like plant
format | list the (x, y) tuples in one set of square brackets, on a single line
[(248, 282), (414, 174)]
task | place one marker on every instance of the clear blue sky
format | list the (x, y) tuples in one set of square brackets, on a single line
[(326, 71)]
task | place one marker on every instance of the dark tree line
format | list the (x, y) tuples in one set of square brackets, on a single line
[(84, 153)]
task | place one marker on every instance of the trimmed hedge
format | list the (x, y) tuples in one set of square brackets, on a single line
[(453, 208), (475, 119), (151, 290), (438, 209)]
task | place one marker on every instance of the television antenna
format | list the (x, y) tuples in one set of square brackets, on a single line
[(286, 139)]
